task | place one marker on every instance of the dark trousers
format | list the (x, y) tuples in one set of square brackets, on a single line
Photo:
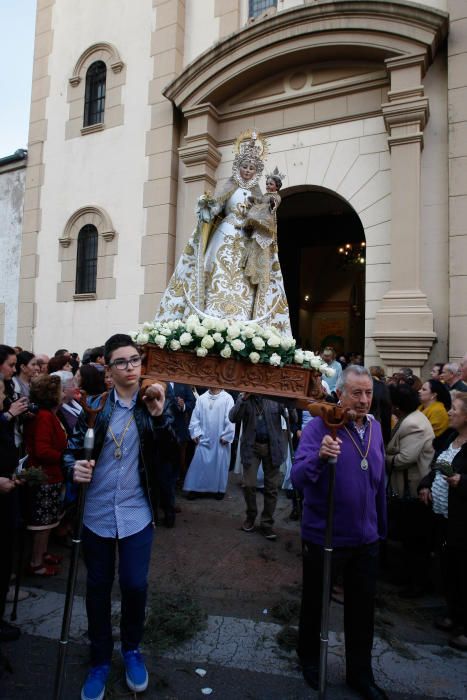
[(8, 525), (456, 585), (261, 455), (358, 566), (134, 553)]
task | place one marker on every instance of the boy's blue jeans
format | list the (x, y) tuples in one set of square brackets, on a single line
[(134, 553)]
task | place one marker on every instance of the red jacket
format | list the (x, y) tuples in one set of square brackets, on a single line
[(46, 441)]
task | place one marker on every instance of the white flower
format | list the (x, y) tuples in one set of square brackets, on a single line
[(208, 323), (249, 332), (177, 324), (299, 357), (207, 342), (186, 338), (233, 331), (323, 367), (254, 357), (174, 345), (226, 351), (201, 352), (267, 333), (329, 372), (275, 359), (315, 362), (160, 340), (258, 342), (193, 318), (237, 344), (274, 341), (220, 325), (287, 342), (142, 338), (133, 335), (148, 326), (165, 330), (200, 331), (217, 337)]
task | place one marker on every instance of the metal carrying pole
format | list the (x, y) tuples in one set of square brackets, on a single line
[(334, 417), (72, 574)]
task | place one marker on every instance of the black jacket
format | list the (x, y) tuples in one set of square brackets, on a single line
[(156, 440), (457, 499)]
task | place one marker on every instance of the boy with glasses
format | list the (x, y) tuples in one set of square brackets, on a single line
[(132, 435)]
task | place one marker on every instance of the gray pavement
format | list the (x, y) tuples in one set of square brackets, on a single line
[(237, 578)]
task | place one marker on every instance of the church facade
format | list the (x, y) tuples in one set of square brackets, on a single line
[(135, 107)]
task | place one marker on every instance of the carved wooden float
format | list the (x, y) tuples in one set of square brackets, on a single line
[(291, 382)]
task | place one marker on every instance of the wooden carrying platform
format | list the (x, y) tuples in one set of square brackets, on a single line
[(291, 382)]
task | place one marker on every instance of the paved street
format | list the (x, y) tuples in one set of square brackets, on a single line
[(239, 580)]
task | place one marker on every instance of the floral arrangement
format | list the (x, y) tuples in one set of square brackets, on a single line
[(240, 341)]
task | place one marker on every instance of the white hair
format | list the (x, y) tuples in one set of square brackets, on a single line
[(352, 369), (65, 376)]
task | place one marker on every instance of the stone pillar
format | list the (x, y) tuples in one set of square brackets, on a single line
[(457, 115), (403, 330), (160, 189)]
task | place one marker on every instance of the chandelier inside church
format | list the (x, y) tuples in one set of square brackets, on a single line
[(352, 254)]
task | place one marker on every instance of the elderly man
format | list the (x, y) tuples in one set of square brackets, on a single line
[(329, 357), (42, 362), (359, 525), (451, 376)]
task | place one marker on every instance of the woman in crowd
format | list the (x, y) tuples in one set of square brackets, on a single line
[(435, 402), (446, 489), (70, 409), (8, 514), (57, 363), (26, 369), (91, 380), (46, 441), (408, 458)]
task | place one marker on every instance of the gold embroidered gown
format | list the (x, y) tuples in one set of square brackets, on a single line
[(213, 282)]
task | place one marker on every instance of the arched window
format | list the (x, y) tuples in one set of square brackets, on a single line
[(86, 261), (256, 7), (94, 103)]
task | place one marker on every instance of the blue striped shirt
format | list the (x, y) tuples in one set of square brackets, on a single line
[(116, 504)]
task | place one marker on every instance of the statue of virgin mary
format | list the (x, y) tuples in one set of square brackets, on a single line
[(210, 279)]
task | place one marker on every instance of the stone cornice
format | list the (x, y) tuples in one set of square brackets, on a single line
[(384, 27), (413, 111)]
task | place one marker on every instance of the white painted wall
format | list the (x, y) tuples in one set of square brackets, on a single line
[(201, 28), (11, 218), (107, 169)]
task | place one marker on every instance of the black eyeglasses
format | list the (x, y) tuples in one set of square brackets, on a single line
[(122, 364)]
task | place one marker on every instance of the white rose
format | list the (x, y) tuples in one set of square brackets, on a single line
[(193, 318), (237, 344), (208, 323), (207, 342), (165, 330), (275, 359), (315, 362), (186, 338), (323, 367), (142, 338), (287, 342), (249, 332), (177, 324), (217, 337), (267, 333), (174, 345), (201, 352), (133, 335), (258, 342), (220, 325), (329, 372), (160, 340), (298, 357), (148, 326), (226, 351), (200, 331), (274, 341), (233, 330), (254, 357)]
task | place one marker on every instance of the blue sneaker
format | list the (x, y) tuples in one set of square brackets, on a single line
[(136, 673), (94, 685)]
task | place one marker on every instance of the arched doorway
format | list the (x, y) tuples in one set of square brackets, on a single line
[(322, 253)]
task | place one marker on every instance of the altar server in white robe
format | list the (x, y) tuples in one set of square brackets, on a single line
[(213, 433)]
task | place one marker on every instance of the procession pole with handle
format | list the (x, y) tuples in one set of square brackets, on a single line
[(76, 546)]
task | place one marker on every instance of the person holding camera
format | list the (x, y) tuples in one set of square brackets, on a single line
[(46, 441)]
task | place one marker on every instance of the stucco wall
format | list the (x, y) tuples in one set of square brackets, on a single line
[(106, 169), (11, 217)]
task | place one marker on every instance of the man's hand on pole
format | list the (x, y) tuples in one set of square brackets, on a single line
[(329, 447), (82, 471)]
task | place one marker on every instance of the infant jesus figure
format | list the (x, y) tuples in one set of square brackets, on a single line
[(261, 225)]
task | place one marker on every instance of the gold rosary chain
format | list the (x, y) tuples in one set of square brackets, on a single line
[(363, 456)]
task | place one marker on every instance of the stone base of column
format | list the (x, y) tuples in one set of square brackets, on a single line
[(403, 330)]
